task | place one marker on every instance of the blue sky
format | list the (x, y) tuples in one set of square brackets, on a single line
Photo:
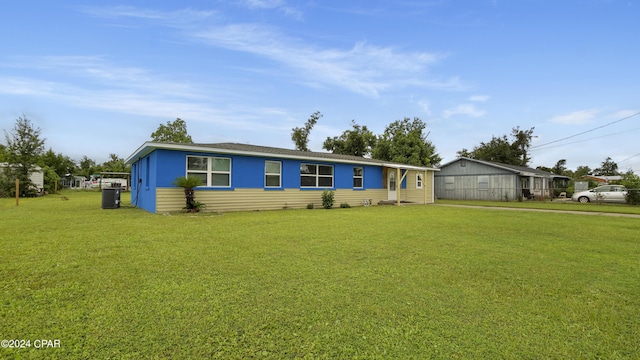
[(99, 77)]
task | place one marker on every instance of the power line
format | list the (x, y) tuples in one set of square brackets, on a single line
[(589, 139), (630, 157), (584, 132)]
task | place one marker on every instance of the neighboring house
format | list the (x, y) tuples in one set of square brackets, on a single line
[(470, 179), (72, 182), (247, 177), (36, 177)]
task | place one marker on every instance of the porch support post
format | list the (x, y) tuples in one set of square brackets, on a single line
[(532, 186), (398, 186), (424, 186)]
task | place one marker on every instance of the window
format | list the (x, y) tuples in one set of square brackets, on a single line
[(418, 181), (220, 172), (272, 172), (358, 177), (449, 183), (134, 176), (214, 171), (483, 182), (312, 175), (147, 173)]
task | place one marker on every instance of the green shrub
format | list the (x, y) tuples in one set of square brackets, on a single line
[(310, 206), (327, 199), (50, 179), (345, 205), (633, 197), (632, 182)]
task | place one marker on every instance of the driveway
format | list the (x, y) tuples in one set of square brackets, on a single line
[(637, 216)]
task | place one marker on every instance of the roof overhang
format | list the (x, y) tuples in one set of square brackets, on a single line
[(150, 146), (522, 171), (408, 167)]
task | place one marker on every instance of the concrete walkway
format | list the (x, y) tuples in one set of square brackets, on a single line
[(637, 216)]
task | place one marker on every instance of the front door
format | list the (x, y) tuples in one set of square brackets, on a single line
[(392, 184)]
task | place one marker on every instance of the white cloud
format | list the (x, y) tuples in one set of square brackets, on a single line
[(185, 18), (364, 69), (479, 98), (576, 117), (464, 109), (264, 4), (425, 106), (624, 113), (274, 4), (100, 85)]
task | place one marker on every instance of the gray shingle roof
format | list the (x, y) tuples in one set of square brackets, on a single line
[(514, 168), (247, 149), (289, 152)]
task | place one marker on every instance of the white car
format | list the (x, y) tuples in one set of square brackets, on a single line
[(604, 193)]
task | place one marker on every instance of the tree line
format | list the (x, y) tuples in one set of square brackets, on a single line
[(403, 141), (24, 151)]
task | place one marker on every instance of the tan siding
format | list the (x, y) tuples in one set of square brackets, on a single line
[(169, 199), (357, 197), (172, 199), (412, 194)]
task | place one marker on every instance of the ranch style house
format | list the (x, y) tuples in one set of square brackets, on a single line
[(240, 177)]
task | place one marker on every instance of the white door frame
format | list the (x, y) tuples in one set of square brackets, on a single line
[(392, 185)]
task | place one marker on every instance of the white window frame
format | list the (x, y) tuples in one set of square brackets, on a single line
[(419, 181), (360, 177), (278, 174), (317, 176), (209, 172)]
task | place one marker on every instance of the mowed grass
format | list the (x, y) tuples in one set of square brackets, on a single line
[(556, 204), (376, 282)]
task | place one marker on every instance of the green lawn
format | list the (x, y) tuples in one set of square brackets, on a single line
[(551, 205), (376, 282)]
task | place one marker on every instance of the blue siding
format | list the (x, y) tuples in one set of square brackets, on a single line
[(144, 179), (373, 177), (173, 165), (161, 167), (248, 171)]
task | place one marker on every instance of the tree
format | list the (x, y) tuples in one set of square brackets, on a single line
[(403, 141), (3, 153), (581, 171), (50, 179), (357, 142), (62, 165), (87, 167), (23, 151), (607, 168), (115, 164), (175, 131), (499, 149), (560, 168), (632, 182), (521, 144), (300, 136)]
